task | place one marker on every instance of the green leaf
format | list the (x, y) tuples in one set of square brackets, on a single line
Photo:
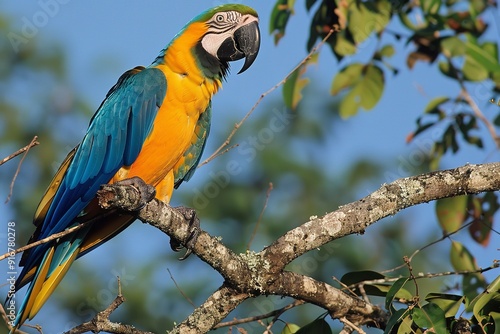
[(495, 316), (430, 317), (496, 121), (451, 212), (387, 51), (488, 301), (432, 107), (318, 326), (480, 60), (496, 80), (391, 294), (292, 89), (355, 277), (366, 85), (280, 14), (447, 69), (346, 78), (407, 22), (366, 18), (430, 6), (461, 258), (474, 71), (476, 7), (290, 328), (450, 139), (395, 319), (481, 227), (452, 46), (485, 54), (450, 304), (342, 46), (309, 4), (406, 326), (421, 128)]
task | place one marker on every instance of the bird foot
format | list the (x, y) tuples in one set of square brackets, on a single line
[(114, 194), (194, 226)]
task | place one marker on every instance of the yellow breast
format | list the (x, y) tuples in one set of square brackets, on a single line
[(188, 95)]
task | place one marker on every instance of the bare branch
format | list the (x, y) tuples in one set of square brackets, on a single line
[(268, 193), (101, 322), (479, 114), (210, 313), (253, 274), (54, 236), (389, 199), (25, 150), (444, 236), (495, 265), (7, 320), (34, 142), (349, 327), (275, 314), (180, 290)]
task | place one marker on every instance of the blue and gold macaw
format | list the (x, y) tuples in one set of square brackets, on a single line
[(153, 124)]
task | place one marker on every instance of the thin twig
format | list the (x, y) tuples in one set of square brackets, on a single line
[(470, 101), (350, 326), (445, 236), (180, 290), (54, 236), (479, 114), (263, 95), (274, 313), (20, 151), (217, 154), (25, 150), (276, 317), (351, 291), (101, 322), (407, 261), (268, 193), (495, 265), (7, 320)]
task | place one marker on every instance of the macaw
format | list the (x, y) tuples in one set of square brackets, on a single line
[(152, 124)]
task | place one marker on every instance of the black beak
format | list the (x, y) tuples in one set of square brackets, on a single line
[(245, 43)]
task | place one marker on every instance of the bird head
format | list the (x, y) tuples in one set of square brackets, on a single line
[(232, 33)]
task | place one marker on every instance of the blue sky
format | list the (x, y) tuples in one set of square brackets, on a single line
[(102, 39)]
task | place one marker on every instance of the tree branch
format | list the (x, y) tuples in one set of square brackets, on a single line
[(389, 199), (101, 322), (252, 274), (24, 150)]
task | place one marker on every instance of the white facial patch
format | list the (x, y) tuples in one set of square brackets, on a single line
[(212, 41), (221, 26)]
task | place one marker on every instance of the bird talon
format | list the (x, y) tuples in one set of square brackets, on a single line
[(146, 191), (194, 225)]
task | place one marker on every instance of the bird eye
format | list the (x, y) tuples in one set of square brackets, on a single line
[(219, 18)]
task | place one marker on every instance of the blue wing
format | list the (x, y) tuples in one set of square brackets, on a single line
[(114, 139)]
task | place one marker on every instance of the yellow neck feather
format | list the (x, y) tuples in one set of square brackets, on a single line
[(179, 57)]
